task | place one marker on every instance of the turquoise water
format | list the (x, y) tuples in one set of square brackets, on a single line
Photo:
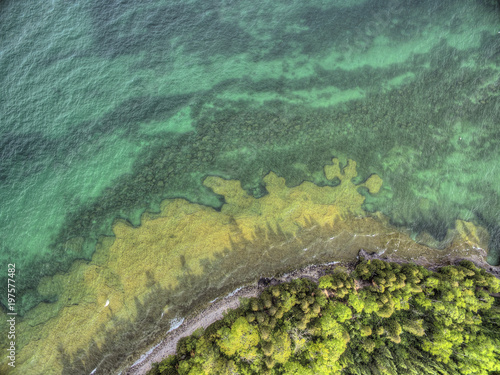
[(109, 107)]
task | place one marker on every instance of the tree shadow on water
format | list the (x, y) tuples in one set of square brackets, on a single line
[(270, 251)]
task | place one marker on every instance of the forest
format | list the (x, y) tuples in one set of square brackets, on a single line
[(379, 318)]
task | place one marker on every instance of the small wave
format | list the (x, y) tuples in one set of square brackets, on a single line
[(175, 323), (143, 357), (234, 291)]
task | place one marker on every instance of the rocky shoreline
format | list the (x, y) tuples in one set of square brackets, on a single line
[(216, 310)]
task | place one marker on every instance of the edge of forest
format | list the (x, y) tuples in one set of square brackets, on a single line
[(218, 307)]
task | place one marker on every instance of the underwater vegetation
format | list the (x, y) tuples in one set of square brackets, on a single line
[(187, 254), (149, 153), (422, 117)]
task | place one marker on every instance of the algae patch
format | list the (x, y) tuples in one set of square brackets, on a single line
[(188, 254)]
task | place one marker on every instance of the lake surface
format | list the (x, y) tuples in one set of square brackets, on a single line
[(153, 153)]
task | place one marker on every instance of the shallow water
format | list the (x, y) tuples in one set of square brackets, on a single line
[(110, 107)]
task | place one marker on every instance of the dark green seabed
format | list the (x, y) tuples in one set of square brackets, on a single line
[(109, 107)]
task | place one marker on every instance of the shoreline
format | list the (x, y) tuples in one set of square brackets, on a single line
[(203, 319), (216, 309)]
